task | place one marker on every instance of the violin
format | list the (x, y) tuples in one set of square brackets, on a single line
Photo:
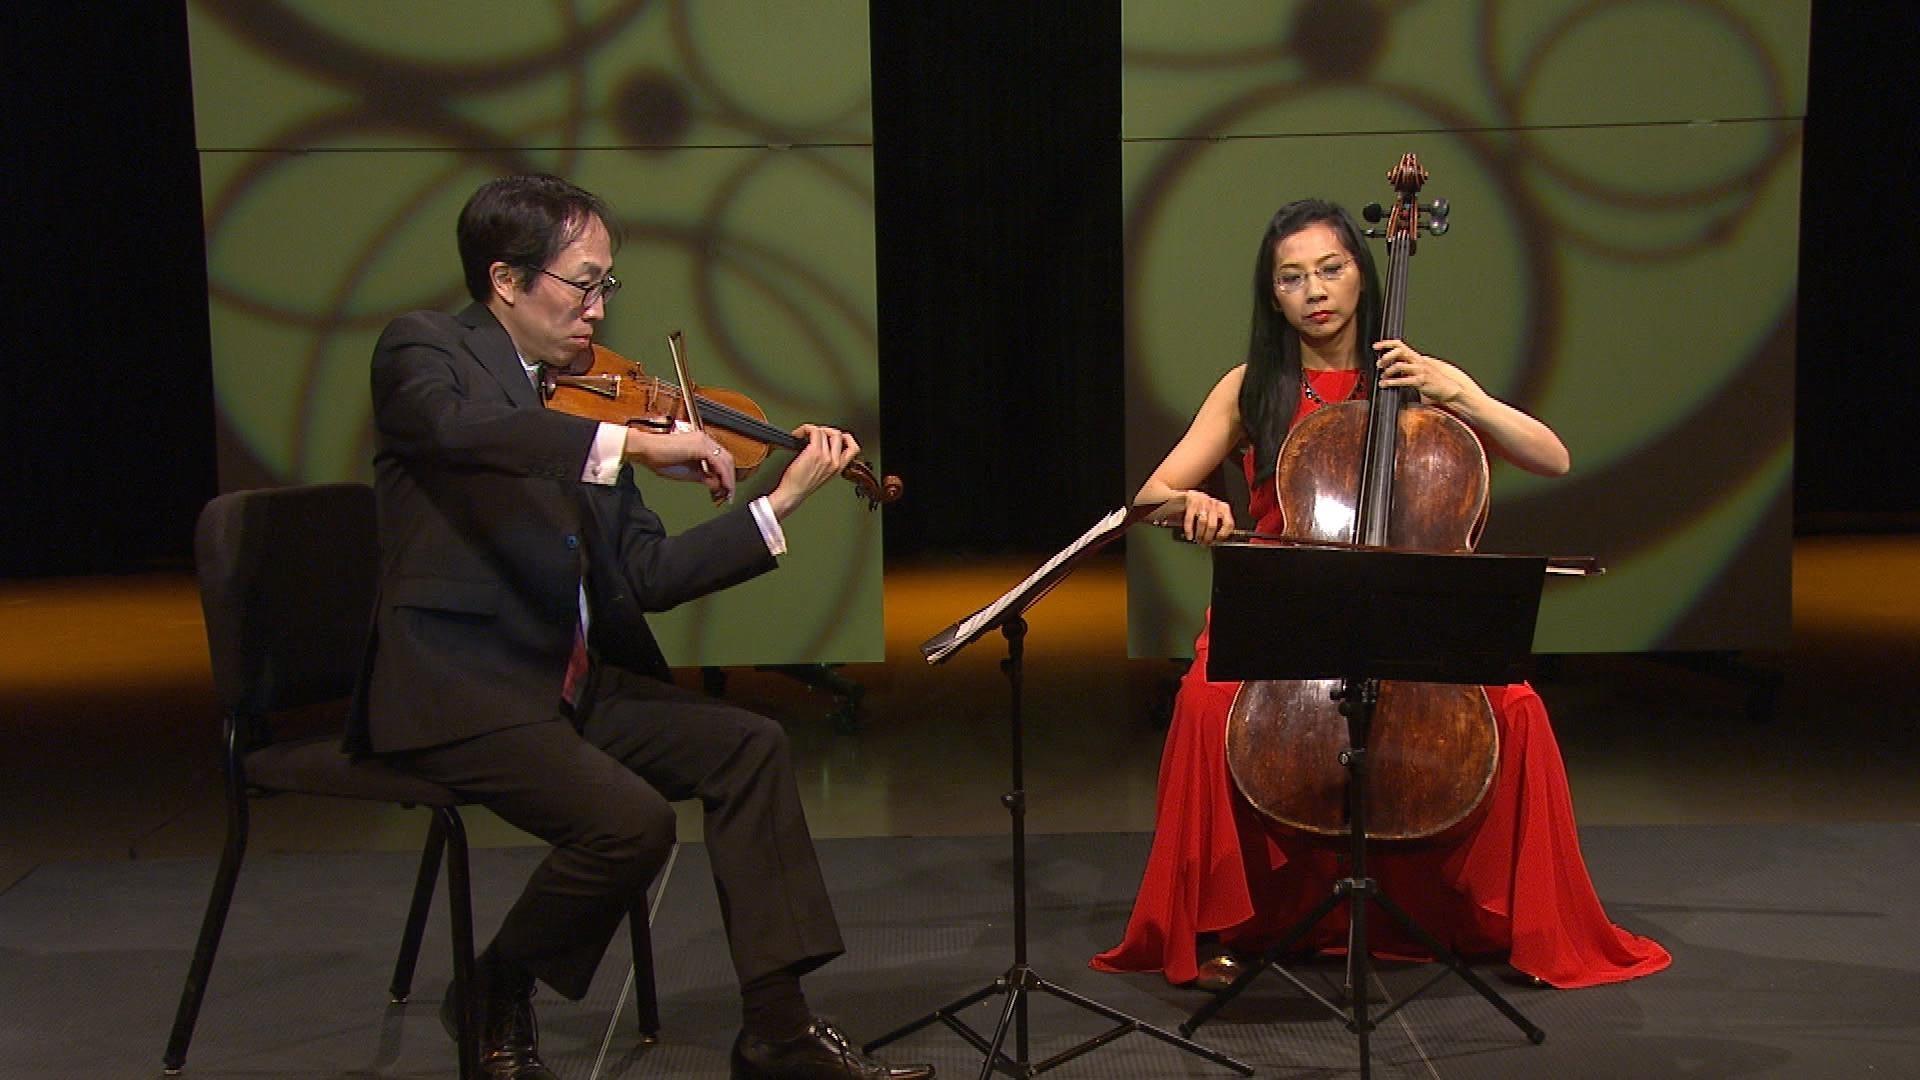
[(612, 389), (1388, 472)]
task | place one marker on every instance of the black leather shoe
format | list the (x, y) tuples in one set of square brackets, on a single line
[(823, 1053), (509, 1036)]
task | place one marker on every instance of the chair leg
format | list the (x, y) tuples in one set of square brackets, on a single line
[(211, 925), (460, 915), (402, 986), (646, 998)]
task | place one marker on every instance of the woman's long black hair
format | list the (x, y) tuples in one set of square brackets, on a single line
[(1270, 393)]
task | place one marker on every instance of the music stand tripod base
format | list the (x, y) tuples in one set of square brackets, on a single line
[(1020, 980), (1412, 593), (1359, 891)]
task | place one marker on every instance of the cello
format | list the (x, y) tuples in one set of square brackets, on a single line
[(1387, 472)]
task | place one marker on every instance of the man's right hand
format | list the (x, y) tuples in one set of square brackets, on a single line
[(684, 454)]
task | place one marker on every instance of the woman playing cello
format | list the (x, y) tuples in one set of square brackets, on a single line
[(1221, 883)]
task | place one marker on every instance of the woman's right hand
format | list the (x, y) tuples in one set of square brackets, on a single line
[(1206, 519), (1209, 440)]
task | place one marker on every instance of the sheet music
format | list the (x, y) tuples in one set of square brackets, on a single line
[(1035, 586)]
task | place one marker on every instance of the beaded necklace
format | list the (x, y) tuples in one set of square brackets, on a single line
[(1306, 387)]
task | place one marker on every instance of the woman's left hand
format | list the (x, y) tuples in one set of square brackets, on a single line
[(1438, 382)]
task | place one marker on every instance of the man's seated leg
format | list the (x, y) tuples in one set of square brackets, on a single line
[(773, 899), (610, 832)]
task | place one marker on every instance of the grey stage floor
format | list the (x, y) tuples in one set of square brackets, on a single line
[(1797, 954)]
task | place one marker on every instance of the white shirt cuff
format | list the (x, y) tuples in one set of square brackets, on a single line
[(604, 459), (762, 511)]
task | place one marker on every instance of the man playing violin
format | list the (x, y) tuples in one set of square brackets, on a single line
[(510, 658)]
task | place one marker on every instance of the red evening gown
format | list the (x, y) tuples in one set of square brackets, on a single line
[(1513, 884)]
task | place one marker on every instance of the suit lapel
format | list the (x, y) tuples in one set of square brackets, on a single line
[(489, 343)]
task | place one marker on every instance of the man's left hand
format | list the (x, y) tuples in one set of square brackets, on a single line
[(828, 452)]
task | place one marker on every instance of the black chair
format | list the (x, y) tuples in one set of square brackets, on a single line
[(287, 582)]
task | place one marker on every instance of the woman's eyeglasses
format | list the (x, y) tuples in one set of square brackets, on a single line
[(1290, 281)]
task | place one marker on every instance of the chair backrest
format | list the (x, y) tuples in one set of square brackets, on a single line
[(287, 581)]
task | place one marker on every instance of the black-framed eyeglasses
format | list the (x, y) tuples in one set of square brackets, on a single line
[(1288, 281), (602, 290)]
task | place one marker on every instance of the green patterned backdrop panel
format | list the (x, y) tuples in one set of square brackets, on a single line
[(1624, 180), (733, 139)]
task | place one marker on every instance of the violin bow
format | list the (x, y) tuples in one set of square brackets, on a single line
[(686, 396), (1564, 565), (686, 384)]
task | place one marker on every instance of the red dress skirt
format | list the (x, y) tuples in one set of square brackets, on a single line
[(1514, 883)]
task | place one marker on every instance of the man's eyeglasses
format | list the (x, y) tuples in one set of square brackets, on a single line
[(601, 290), (1290, 281)]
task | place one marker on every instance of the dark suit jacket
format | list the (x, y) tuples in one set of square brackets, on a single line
[(486, 530)]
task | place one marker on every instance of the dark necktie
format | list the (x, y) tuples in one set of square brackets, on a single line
[(576, 675)]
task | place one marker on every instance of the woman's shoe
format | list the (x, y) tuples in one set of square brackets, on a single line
[(1218, 972)]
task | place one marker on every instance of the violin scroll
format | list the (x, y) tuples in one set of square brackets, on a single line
[(881, 492)]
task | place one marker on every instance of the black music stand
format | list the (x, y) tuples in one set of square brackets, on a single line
[(1375, 615), (1007, 614)]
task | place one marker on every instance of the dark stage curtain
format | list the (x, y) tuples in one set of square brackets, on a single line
[(997, 179), (1858, 369), (109, 404)]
